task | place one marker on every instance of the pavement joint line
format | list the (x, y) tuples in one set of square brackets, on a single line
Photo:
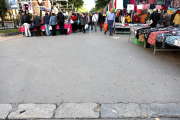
[(101, 111)]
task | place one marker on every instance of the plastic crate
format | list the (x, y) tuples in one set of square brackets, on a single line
[(57, 32), (33, 33), (137, 42)]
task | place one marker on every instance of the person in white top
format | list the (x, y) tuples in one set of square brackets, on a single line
[(95, 20)]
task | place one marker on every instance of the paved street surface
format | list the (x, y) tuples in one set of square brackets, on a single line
[(106, 74)]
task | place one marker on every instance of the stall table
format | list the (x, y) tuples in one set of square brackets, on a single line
[(66, 26)]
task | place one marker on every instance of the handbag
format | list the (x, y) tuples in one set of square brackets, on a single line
[(86, 27), (50, 27), (149, 22)]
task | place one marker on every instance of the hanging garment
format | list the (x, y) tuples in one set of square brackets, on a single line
[(167, 3), (141, 38), (152, 6), (131, 1), (140, 7), (110, 6), (164, 8), (125, 2), (175, 3), (158, 7), (160, 2), (170, 11), (150, 1), (146, 6), (139, 11), (119, 4)]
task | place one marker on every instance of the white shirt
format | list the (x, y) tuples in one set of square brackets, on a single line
[(95, 18)]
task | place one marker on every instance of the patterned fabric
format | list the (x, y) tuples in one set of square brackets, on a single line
[(171, 39), (141, 38), (150, 1), (175, 3), (160, 37), (167, 3), (153, 35), (160, 2)]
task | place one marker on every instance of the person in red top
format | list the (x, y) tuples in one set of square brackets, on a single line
[(74, 25), (136, 18)]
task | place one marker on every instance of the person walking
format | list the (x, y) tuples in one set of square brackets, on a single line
[(27, 23), (53, 21), (100, 20), (46, 23), (37, 22), (91, 23), (155, 18), (88, 18), (60, 18), (110, 19), (74, 25), (83, 22), (95, 20)]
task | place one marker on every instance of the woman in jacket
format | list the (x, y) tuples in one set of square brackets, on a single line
[(83, 22), (74, 25), (46, 23), (60, 18), (53, 21), (100, 20), (37, 22), (166, 20)]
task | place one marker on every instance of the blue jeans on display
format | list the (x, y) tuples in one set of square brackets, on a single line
[(110, 24), (47, 29)]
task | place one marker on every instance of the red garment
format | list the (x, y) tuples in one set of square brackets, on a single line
[(101, 24), (164, 8), (74, 17), (153, 35), (136, 19)]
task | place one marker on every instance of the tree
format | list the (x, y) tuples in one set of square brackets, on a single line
[(77, 3), (83, 9), (100, 4), (3, 9), (93, 10)]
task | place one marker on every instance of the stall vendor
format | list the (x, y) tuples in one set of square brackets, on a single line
[(127, 18), (136, 18)]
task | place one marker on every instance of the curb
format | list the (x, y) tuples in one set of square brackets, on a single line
[(89, 111)]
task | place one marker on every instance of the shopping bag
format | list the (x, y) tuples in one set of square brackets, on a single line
[(50, 27), (89, 28), (86, 27), (105, 27)]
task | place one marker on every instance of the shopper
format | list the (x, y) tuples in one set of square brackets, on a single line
[(155, 18), (110, 19), (27, 23), (147, 17), (166, 19), (127, 18), (37, 22), (88, 18), (60, 18), (53, 21), (136, 18), (74, 25), (46, 23), (91, 23), (95, 20), (22, 18), (83, 22), (78, 18), (100, 20)]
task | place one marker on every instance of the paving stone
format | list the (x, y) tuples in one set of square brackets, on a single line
[(77, 110), (120, 110), (162, 110), (26, 111), (4, 110), (109, 111)]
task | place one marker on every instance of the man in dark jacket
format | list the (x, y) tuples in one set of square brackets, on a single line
[(27, 23), (37, 22), (46, 23), (100, 20), (155, 18), (60, 18), (22, 19)]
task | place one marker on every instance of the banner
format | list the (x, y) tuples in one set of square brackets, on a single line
[(119, 4), (130, 7)]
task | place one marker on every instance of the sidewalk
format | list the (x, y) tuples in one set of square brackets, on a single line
[(10, 37)]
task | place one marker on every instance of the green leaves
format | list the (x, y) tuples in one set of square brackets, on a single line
[(3, 6), (100, 4)]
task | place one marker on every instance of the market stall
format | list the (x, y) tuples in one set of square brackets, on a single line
[(67, 27)]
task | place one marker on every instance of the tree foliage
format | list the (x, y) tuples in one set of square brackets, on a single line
[(3, 8), (100, 4), (77, 3), (82, 9)]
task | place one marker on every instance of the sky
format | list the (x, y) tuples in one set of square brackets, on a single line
[(89, 4)]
